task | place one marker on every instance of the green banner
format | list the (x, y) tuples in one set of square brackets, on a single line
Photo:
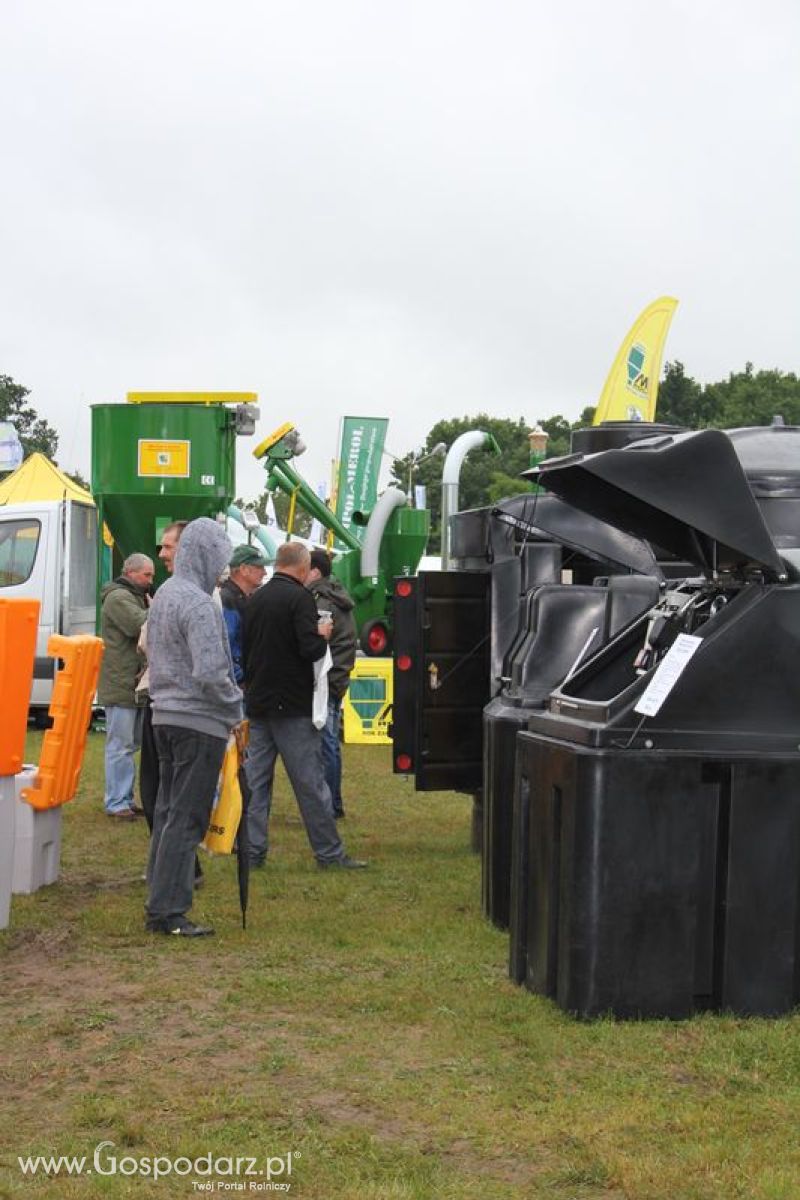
[(360, 453)]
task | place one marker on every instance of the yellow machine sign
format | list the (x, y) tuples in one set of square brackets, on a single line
[(164, 458), (368, 702)]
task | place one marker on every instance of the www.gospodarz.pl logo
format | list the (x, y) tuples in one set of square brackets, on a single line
[(212, 1173)]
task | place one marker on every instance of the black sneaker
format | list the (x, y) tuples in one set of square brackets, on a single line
[(178, 927), (343, 864)]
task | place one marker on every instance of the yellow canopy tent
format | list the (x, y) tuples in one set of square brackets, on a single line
[(39, 479)]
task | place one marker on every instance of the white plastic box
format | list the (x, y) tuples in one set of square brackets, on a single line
[(8, 807), (37, 841)]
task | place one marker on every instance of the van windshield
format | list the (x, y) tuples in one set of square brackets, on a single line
[(19, 541)]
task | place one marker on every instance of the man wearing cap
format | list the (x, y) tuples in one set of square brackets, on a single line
[(247, 567)]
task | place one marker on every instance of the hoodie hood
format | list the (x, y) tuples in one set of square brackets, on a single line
[(204, 552), (332, 590)]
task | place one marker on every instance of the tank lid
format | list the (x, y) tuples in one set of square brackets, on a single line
[(550, 517), (770, 456), (686, 492), (192, 397)]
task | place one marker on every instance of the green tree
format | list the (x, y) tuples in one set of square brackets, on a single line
[(501, 486), (302, 519), (34, 432), (483, 475), (681, 400), (751, 397), (558, 430), (77, 478), (745, 398)]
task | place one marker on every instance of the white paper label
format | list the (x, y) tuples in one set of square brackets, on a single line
[(668, 673)]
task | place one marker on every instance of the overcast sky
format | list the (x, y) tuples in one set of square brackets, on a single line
[(416, 210)]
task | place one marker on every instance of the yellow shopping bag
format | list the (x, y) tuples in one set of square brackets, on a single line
[(227, 811)]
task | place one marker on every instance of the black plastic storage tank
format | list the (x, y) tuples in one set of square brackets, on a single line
[(615, 577), (561, 623), (663, 833)]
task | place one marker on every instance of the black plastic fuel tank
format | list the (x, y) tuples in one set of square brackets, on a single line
[(656, 826)]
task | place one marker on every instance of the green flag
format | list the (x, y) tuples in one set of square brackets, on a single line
[(360, 453)]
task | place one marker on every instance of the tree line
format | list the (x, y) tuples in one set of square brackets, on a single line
[(747, 397)]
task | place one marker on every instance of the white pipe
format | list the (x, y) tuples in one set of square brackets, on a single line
[(391, 499), (266, 539), (476, 439)]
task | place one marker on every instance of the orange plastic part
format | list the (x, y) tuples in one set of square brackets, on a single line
[(71, 706), (19, 621)]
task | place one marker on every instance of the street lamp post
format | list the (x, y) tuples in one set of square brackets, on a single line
[(537, 440)]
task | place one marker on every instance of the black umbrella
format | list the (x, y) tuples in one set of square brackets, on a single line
[(242, 842)]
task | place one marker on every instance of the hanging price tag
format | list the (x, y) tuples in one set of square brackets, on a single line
[(669, 672)]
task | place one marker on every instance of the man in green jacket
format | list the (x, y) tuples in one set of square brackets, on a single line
[(124, 611)]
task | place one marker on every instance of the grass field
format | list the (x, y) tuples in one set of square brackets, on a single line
[(363, 1024)]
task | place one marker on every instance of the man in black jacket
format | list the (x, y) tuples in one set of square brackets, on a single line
[(330, 595), (282, 640)]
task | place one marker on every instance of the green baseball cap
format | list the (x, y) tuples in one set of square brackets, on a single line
[(247, 556)]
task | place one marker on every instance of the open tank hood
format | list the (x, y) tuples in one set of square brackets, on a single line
[(687, 492), (550, 517)]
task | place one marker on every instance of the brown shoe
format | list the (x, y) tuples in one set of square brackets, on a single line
[(125, 814)]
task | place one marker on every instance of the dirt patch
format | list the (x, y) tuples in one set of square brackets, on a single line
[(37, 944), (87, 883), (90, 1027), (337, 1108)]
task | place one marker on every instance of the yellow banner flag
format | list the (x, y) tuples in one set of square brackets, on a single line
[(631, 389)]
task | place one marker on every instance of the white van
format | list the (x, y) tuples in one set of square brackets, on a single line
[(48, 552)]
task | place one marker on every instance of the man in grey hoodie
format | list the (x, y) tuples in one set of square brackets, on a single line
[(196, 703)]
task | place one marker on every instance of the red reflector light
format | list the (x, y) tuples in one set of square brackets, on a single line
[(403, 663), (403, 762), (403, 588), (378, 639)]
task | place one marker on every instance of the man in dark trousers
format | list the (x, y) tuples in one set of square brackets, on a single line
[(283, 638), (148, 762), (330, 595), (196, 704)]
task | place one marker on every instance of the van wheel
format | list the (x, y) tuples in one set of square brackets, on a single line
[(375, 640), (42, 719)]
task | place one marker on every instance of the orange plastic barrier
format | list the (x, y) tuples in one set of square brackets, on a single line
[(19, 621), (71, 706)]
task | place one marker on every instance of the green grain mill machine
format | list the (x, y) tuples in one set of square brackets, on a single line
[(163, 457)]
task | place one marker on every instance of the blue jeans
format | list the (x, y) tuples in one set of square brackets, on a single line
[(123, 739), (300, 747), (332, 754)]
